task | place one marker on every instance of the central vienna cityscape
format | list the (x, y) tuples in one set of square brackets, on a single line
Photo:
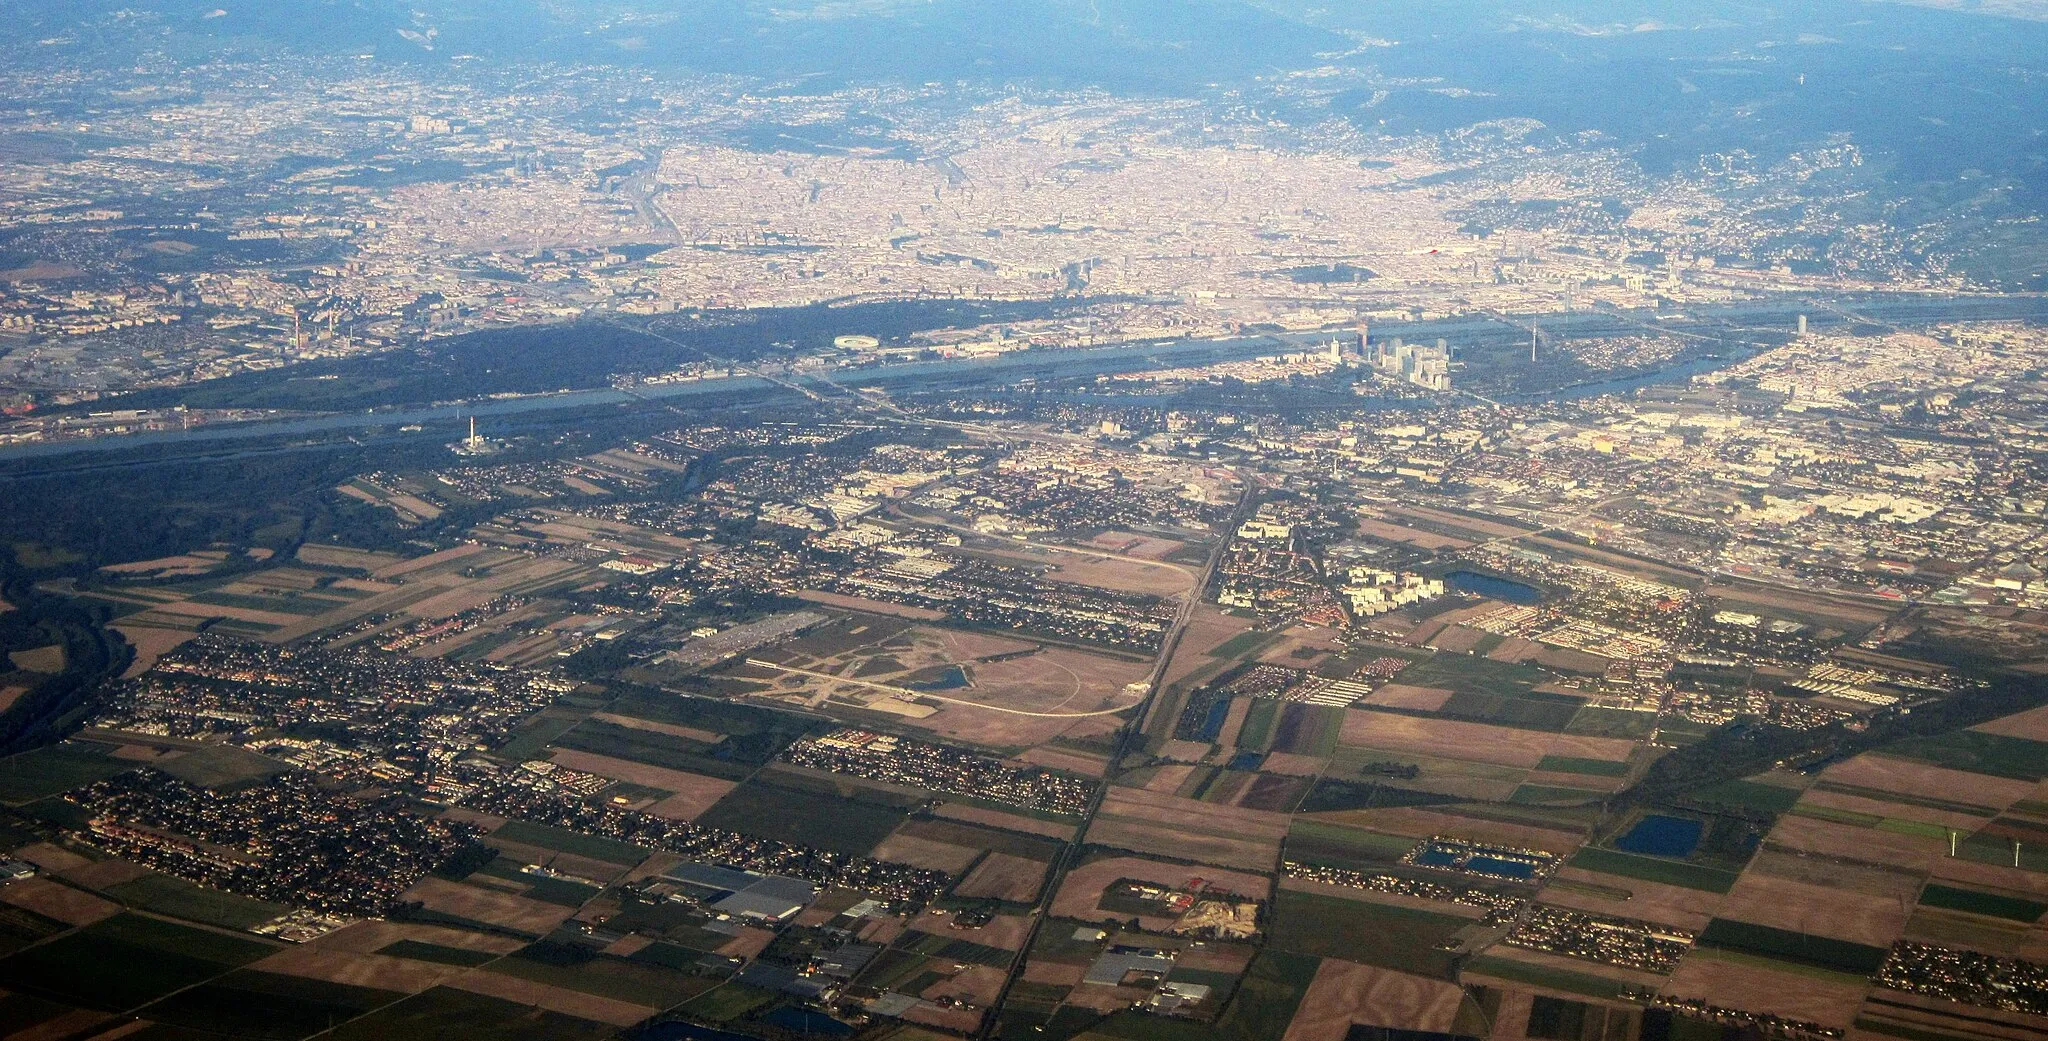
[(1024, 520)]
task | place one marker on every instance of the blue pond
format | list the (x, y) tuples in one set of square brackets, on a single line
[(1661, 836), (1437, 856), (674, 1031), (953, 678), (807, 1022), (1501, 868), (1493, 587)]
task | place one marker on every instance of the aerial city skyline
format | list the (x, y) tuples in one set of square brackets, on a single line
[(1070, 519)]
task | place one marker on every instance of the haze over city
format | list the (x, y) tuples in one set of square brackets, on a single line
[(1116, 520)]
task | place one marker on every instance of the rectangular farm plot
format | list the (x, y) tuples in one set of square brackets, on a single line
[(1152, 822), (1345, 993), (464, 903), (606, 976), (1006, 877), (252, 1004), (1084, 891), (448, 1014), (804, 818), (1732, 980), (1655, 869), (687, 796), (1981, 752), (1864, 908), (1925, 783), (1445, 738), (125, 962), (1400, 938)]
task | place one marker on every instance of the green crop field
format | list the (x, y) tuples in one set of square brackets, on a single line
[(1566, 764), (1544, 976), (420, 950), (1243, 645), (1994, 754), (260, 1005), (1392, 937), (577, 968), (1989, 904), (1652, 869), (650, 747), (1751, 795), (1786, 945), (53, 769), (562, 840), (181, 899), (803, 818), (1612, 722), (1334, 845), (447, 1014), (125, 961)]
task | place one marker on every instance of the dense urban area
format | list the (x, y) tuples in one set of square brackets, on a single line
[(532, 551)]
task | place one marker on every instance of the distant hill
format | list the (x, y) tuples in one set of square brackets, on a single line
[(1118, 44)]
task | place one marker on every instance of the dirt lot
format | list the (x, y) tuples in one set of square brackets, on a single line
[(58, 901), (150, 643), (1649, 901), (2032, 725), (1053, 758), (855, 603), (1445, 738), (1457, 639), (484, 905), (1838, 911), (554, 999), (1760, 989), (1344, 993), (1004, 876), (1293, 765), (1006, 931), (1006, 821), (925, 853), (1412, 536), (1422, 823), (694, 793), (1161, 823), (1401, 695), (1080, 893), (1910, 778), (1827, 838)]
